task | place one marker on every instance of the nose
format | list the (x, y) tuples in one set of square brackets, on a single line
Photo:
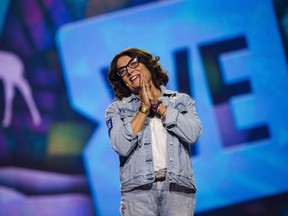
[(129, 71)]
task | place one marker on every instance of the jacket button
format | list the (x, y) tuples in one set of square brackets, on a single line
[(171, 143), (171, 159)]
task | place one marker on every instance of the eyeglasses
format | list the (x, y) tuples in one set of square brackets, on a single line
[(133, 63)]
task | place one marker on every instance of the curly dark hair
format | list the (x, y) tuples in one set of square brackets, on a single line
[(159, 76)]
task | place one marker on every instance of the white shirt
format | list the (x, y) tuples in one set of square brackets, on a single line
[(158, 135)]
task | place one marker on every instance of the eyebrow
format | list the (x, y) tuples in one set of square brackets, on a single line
[(127, 63)]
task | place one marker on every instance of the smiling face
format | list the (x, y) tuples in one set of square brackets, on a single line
[(132, 78)]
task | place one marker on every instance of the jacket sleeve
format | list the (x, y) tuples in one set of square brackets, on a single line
[(122, 139), (183, 120)]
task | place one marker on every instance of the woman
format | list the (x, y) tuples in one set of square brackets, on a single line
[(151, 128)]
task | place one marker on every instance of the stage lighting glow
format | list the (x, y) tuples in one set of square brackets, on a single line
[(236, 72)]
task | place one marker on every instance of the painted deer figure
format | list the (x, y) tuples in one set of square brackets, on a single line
[(11, 73)]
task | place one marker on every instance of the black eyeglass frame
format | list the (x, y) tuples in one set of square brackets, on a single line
[(133, 60)]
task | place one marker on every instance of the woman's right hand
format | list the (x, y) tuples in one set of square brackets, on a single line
[(144, 92)]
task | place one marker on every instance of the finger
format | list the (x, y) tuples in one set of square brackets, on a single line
[(149, 90), (141, 83), (144, 96)]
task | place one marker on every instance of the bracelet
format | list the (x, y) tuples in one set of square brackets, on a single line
[(144, 110), (162, 115), (155, 105), (157, 111)]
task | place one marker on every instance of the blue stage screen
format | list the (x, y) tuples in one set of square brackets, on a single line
[(235, 69)]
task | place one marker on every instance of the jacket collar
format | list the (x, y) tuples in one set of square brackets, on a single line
[(166, 92)]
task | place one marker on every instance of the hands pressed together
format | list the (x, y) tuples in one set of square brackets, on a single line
[(149, 99)]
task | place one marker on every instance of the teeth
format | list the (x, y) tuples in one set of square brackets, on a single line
[(133, 78)]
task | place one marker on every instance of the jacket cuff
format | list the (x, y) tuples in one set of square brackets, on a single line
[(171, 117), (128, 132)]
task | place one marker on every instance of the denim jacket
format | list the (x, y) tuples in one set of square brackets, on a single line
[(135, 150)]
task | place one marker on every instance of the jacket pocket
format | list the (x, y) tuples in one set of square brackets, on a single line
[(182, 108)]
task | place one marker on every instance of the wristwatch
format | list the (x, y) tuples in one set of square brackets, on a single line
[(144, 110)]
